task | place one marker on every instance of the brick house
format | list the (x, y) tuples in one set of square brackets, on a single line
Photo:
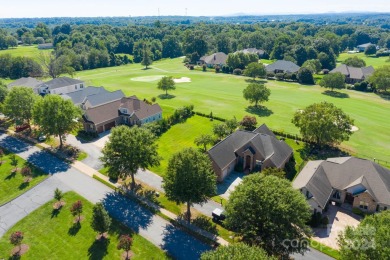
[(356, 182)]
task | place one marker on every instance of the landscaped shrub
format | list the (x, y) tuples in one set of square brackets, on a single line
[(217, 69), (225, 69), (237, 72), (204, 67), (205, 224), (279, 76), (358, 211), (153, 99), (325, 221), (239, 167), (361, 86), (270, 74), (316, 219), (191, 67)]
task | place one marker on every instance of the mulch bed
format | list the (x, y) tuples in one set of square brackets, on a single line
[(59, 204), (20, 251), (102, 236), (76, 219), (126, 256)]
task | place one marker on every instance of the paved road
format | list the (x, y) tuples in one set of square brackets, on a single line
[(148, 177), (312, 254), (154, 228)]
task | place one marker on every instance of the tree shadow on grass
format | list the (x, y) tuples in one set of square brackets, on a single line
[(384, 95), (261, 111), (256, 80), (98, 249), (148, 68), (10, 176), (314, 152), (74, 229), (55, 212), (164, 96), (24, 185), (14, 257), (335, 94)]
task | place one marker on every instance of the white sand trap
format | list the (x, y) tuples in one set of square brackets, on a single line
[(148, 78), (354, 128), (182, 80)]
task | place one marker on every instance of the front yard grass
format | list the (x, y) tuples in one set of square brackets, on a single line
[(12, 184), (51, 236)]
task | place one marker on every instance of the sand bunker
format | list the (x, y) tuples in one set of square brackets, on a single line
[(182, 80), (354, 128), (148, 78)]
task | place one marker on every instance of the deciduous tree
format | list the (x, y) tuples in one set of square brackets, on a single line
[(256, 93), (355, 61), (54, 65), (254, 70), (56, 116), (323, 123), (220, 130), (238, 251), (101, 221), (204, 140), (370, 50), (248, 123), (77, 209), (189, 178), (269, 212), (166, 83), (381, 78), (125, 243), (146, 56), (16, 239), (129, 149), (333, 80)]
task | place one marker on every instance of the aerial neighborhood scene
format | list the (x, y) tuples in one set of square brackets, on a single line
[(195, 130)]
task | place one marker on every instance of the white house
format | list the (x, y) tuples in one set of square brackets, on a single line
[(63, 85)]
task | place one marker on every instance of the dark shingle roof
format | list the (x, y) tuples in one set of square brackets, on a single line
[(268, 146), (25, 82), (343, 173), (215, 59), (103, 113), (103, 98), (284, 65), (354, 73), (78, 97), (61, 82), (139, 108), (263, 129)]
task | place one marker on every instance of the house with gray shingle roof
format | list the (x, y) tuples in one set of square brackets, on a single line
[(258, 52), (62, 85), (282, 66), (355, 182), (250, 151), (215, 59), (352, 74), (124, 111), (79, 96), (29, 82)]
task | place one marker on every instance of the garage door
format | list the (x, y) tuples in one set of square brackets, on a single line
[(109, 126), (100, 129)]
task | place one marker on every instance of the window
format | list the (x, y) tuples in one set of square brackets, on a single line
[(336, 195), (81, 85), (363, 205), (75, 86)]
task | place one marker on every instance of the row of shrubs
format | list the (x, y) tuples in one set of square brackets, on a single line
[(210, 116), (363, 86), (179, 115)]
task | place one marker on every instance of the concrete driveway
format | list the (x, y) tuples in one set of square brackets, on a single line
[(339, 219)]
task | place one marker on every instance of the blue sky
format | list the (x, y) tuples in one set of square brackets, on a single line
[(72, 8)]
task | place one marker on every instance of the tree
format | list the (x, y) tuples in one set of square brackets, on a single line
[(238, 251), (269, 212), (381, 78), (274, 172), (1, 156), (125, 242), (14, 162), (333, 80), (355, 61), (232, 124), (370, 50), (255, 69), (204, 140), (128, 150), (54, 65), (101, 221), (146, 56), (171, 47), (56, 116), (305, 76), (77, 209), (189, 178), (328, 60), (3, 92), (27, 173), (58, 195), (166, 83), (220, 130), (19, 104), (223, 43), (16, 239), (248, 123), (256, 92), (369, 240), (313, 65), (323, 123)]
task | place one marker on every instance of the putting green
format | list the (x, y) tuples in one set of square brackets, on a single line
[(148, 78)]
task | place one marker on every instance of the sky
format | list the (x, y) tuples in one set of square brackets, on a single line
[(93, 8)]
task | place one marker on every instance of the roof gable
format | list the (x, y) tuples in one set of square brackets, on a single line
[(283, 65), (61, 82)]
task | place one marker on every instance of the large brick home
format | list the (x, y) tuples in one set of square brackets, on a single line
[(249, 151), (124, 111), (356, 182)]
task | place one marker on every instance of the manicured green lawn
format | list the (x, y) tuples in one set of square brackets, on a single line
[(12, 184), (52, 236), (370, 60), (181, 136), (24, 51), (222, 94)]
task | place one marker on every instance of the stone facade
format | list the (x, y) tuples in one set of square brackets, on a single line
[(365, 202)]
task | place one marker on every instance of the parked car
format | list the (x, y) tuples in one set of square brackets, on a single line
[(218, 215), (41, 138), (20, 128)]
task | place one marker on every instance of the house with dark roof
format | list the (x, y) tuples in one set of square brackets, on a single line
[(29, 82), (282, 66), (45, 46), (213, 60), (363, 47), (352, 74), (259, 52), (62, 85), (79, 96), (124, 111), (249, 151), (348, 181)]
